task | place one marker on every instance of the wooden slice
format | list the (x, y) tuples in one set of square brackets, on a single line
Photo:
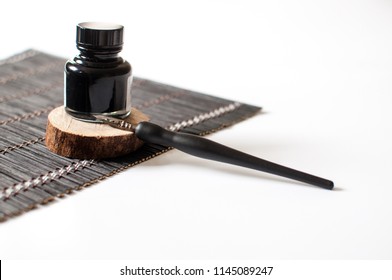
[(72, 138)]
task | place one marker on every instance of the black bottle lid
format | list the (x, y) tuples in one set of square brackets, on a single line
[(99, 36)]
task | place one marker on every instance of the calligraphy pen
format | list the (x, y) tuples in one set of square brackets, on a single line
[(207, 149)]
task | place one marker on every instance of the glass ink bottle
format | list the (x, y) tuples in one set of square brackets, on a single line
[(98, 81)]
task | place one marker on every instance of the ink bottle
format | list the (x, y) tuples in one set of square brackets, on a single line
[(98, 81)]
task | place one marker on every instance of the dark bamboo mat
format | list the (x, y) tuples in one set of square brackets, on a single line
[(31, 85)]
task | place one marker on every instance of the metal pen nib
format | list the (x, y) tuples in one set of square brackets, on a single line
[(116, 123)]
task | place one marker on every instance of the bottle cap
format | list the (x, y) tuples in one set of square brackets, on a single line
[(99, 35)]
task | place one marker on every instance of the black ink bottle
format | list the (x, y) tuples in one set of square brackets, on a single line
[(98, 80)]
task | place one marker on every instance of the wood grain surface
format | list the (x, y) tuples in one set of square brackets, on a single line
[(73, 138)]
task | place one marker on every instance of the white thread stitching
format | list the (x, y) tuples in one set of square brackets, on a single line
[(27, 116), (36, 91), (42, 69), (19, 57), (19, 146), (206, 116), (52, 175)]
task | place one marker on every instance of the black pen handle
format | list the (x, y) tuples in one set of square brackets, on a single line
[(204, 148)]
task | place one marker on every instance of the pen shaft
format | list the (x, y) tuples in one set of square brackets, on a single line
[(205, 148)]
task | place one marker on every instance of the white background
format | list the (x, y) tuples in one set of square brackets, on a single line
[(322, 71)]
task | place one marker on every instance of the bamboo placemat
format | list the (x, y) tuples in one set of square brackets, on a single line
[(31, 85)]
